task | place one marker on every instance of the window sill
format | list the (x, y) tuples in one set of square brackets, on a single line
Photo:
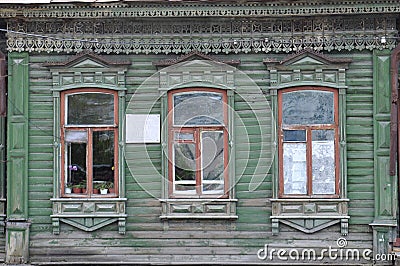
[(88, 214), (198, 208), (310, 215), (84, 196)]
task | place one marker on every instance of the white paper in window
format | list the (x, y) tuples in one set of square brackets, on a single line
[(294, 168), (323, 161)]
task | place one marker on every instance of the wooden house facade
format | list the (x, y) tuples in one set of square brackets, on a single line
[(199, 132)]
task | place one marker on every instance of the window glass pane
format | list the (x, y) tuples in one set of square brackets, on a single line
[(212, 150), (307, 107), (185, 188), (77, 136), (103, 159), (323, 161), (213, 188), (294, 168), (198, 108), (185, 167), (294, 135), (90, 109), (76, 164)]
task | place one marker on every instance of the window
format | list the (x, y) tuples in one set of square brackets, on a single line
[(308, 142), (198, 143), (89, 138)]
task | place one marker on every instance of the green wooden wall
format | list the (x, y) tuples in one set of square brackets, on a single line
[(147, 238), (2, 177)]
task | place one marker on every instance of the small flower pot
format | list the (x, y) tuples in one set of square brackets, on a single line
[(95, 191), (111, 190), (103, 191), (68, 190), (77, 190)]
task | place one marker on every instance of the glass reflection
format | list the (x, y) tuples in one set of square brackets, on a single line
[(307, 107), (76, 164), (212, 155), (103, 158), (198, 108), (90, 109)]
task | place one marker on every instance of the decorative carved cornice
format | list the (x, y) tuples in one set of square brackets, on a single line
[(182, 36), (190, 56), (210, 9), (318, 27)]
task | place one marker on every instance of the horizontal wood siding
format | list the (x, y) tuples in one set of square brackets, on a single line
[(40, 172), (3, 178), (150, 240)]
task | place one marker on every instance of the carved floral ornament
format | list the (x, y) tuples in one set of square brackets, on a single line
[(214, 9), (132, 36)]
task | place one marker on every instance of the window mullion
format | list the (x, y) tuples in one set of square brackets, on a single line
[(89, 163), (199, 170), (226, 160), (309, 160), (115, 162)]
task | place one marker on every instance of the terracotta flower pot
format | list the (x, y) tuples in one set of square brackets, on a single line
[(77, 190)]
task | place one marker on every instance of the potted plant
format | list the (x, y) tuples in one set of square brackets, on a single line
[(83, 186), (77, 188), (68, 188), (110, 186), (96, 188), (103, 188)]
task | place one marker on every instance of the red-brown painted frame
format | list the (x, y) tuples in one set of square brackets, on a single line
[(309, 129), (89, 149), (196, 131)]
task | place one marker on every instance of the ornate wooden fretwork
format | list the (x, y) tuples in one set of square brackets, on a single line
[(192, 56), (213, 9), (133, 36), (89, 215)]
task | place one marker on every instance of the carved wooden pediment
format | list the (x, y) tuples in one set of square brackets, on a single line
[(307, 67), (88, 69), (307, 57)]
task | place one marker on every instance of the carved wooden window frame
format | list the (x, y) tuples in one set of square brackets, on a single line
[(308, 128), (89, 72), (89, 129), (212, 74), (196, 130), (302, 69)]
